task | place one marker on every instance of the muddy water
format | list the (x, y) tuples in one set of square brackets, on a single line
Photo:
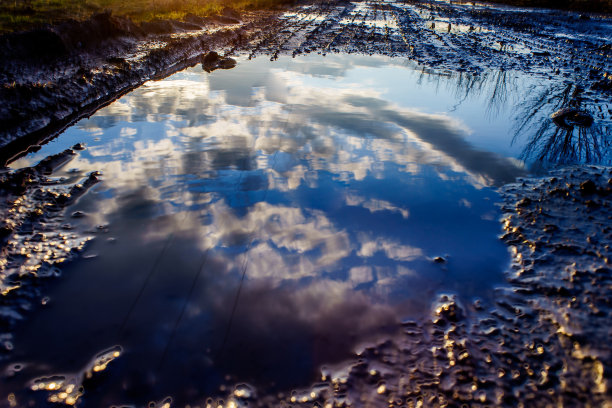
[(257, 224)]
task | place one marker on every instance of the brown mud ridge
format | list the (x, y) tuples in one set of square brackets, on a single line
[(52, 77)]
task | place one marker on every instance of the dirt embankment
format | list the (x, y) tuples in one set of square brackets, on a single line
[(53, 76)]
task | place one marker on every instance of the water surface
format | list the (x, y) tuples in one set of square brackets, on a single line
[(256, 224)]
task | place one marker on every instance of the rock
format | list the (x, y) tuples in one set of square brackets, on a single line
[(210, 58), (567, 118), (226, 63), (588, 187), (213, 61), (439, 260)]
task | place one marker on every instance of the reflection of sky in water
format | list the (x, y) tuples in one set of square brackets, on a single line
[(269, 219)]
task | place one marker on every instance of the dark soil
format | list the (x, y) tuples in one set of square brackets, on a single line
[(51, 77), (545, 341)]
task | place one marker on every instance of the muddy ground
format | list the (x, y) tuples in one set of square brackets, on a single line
[(544, 343), (52, 77)]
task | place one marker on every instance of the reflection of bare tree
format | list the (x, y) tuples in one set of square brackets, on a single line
[(498, 84), (571, 137), (557, 121)]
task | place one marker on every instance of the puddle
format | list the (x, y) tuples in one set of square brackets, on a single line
[(257, 224)]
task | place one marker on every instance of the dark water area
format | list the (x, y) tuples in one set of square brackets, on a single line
[(256, 224)]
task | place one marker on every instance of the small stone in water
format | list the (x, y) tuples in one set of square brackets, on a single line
[(439, 259)]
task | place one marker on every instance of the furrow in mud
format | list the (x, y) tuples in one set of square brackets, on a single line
[(349, 31), (449, 36), (294, 37), (263, 42), (320, 34)]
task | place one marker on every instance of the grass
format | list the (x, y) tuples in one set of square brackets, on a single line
[(17, 15)]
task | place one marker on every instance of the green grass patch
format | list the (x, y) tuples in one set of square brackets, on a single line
[(17, 15)]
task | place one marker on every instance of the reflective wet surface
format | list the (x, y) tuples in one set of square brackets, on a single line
[(256, 224)]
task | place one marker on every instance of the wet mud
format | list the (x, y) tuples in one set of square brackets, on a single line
[(45, 90), (543, 342), (37, 235)]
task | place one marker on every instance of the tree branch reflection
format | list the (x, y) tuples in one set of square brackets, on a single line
[(560, 141)]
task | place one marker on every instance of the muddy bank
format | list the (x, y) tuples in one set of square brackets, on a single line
[(52, 77)]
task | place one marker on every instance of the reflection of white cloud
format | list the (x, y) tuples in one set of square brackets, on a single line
[(128, 131), (374, 205), (464, 202), (279, 132), (282, 228), (393, 250), (347, 131), (360, 274)]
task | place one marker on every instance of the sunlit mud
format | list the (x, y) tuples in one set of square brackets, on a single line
[(320, 230), (37, 237)]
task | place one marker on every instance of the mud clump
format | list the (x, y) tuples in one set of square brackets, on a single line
[(213, 61), (68, 389), (35, 235), (570, 117)]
